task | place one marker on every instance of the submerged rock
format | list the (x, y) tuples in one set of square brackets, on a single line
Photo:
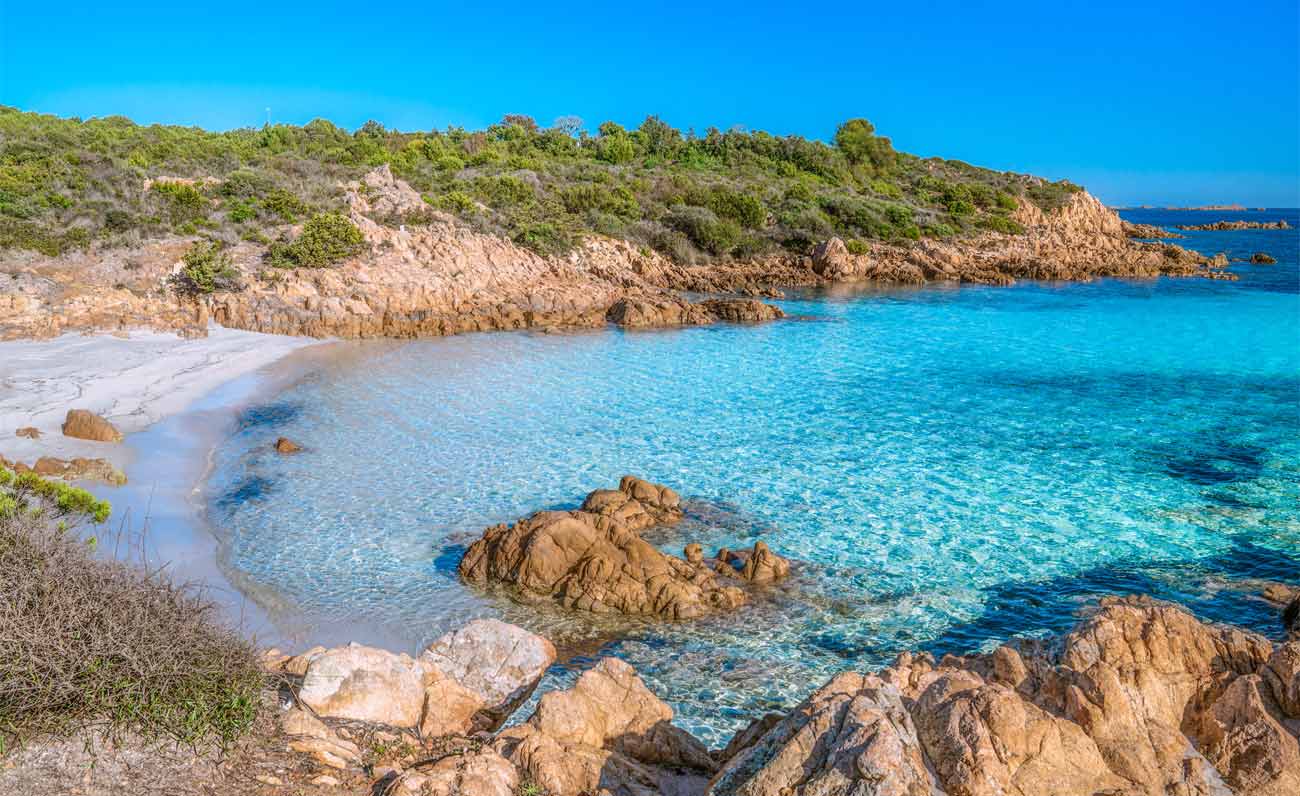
[(594, 560), (286, 445), (83, 424)]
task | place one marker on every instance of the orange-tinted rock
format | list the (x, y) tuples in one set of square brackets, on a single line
[(594, 560), (84, 424), (29, 432), (286, 445)]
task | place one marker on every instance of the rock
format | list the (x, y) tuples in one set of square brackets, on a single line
[(1140, 698), (325, 781), (1223, 226), (83, 424), (29, 432), (365, 684), (665, 309), (1148, 231), (450, 708), (78, 469), (1261, 258), (608, 733), (286, 445), (499, 664), (473, 773), (593, 559), (311, 736), (1291, 618), (757, 565)]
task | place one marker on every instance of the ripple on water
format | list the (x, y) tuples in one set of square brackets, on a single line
[(948, 466)]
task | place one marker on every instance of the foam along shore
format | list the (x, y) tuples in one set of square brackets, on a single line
[(133, 381)]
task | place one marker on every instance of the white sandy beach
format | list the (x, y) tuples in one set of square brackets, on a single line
[(133, 382)]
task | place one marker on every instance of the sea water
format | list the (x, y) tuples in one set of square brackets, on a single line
[(946, 466)]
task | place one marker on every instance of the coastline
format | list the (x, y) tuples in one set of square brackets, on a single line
[(173, 399)]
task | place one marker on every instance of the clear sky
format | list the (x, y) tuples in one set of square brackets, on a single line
[(1158, 102)]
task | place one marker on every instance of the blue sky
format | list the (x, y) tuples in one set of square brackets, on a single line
[(1170, 102)]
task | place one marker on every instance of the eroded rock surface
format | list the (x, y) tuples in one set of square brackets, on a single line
[(593, 559), (608, 733), (1141, 698), (76, 469)]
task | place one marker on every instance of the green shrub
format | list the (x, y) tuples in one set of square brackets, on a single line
[(1006, 201), (283, 204), (885, 188), (1001, 224), (617, 148), (184, 202), (545, 237), (326, 239), (207, 269), (705, 229), (456, 201), (744, 209), (856, 246), (857, 139)]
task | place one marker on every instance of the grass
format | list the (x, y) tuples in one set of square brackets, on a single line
[(68, 183), (90, 643)]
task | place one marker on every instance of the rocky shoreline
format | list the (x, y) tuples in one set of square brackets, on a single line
[(1226, 226), (1139, 698), (438, 277)]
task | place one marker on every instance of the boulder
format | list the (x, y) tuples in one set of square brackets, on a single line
[(286, 445), (29, 432), (666, 309), (365, 684), (1261, 258), (78, 469), (608, 733), (499, 664), (1291, 619), (594, 560), (84, 424)]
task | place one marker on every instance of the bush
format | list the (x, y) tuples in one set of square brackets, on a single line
[(744, 209), (184, 202), (545, 238), (207, 269), (1001, 224), (705, 229), (326, 239), (101, 645)]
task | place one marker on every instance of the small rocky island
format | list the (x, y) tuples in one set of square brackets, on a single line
[(593, 559), (1228, 226)]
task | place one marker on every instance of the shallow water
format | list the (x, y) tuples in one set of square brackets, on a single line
[(949, 466)]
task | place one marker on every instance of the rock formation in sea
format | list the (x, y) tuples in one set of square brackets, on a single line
[(1148, 231), (439, 277), (1262, 258), (1225, 226), (593, 559), (1139, 699)]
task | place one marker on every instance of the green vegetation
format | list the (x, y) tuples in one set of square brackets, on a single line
[(65, 183), (207, 269), (326, 238), (89, 643)]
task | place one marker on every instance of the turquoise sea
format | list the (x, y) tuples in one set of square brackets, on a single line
[(948, 466)]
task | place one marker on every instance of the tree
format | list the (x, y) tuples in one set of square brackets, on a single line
[(569, 125), (857, 139)]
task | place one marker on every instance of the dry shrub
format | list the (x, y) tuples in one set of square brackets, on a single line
[(88, 643)]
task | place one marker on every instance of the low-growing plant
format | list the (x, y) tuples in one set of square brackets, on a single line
[(326, 239), (94, 644), (207, 269)]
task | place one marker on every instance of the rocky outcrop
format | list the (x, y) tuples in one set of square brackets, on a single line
[(425, 274), (1225, 226), (77, 469), (608, 734), (83, 424), (1262, 258), (466, 682), (593, 559), (1148, 231), (1291, 619), (1141, 698), (29, 432)]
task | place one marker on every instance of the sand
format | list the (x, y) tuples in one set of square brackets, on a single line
[(132, 381)]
